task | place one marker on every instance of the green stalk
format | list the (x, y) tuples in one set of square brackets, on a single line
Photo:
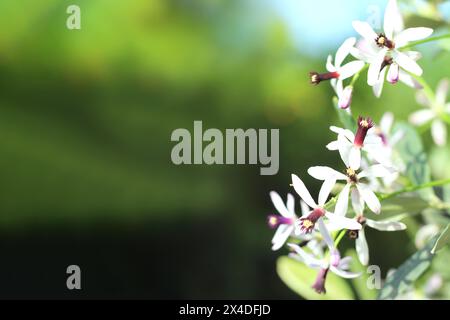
[(416, 43)]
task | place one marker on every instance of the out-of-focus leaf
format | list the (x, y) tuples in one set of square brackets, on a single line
[(344, 116), (404, 277), (360, 283), (443, 240), (300, 278), (414, 156), (402, 205)]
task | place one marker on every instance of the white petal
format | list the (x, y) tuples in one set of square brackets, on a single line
[(333, 146), (345, 98), (344, 149), (373, 74), (377, 171), (393, 74), (357, 202), (323, 173), (342, 202), (300, 188), (421, 117), (344, 51), (355, 158), (281, 235), (307, 258), (350, 69), (290, 204), (378, 86), (345, 274), (365, 30), (325, 234), (325, 190), (407, 63), (279, 205), (412, 34), (361, 248), (386, 122), (330, 67), (343, 222), (344, 264), (439, 132), (369, 197), (441, 92), (409, 80), (386, 225), (305, 209), (393, 21), (347, 133)]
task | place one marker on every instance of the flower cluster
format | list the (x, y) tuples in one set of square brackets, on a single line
[(368, 154)]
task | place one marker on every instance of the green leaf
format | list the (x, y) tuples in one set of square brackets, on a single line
[(346, 118), (402, 205), (360, 283), (442, 241), (414, 157), (405, 276), (300, 278)]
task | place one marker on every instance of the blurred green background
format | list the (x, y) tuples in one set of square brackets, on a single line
[(85, 123)]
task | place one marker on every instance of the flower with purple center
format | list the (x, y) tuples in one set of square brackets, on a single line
[(285, 222)]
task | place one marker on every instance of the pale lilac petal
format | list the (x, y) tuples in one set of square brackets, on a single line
[(439, 132), (345, 98), (422, 99), (342, 202), (393, 74), (369, 198), (373, 74), (357, 202), (324, 173), (355, 158), (344, 264), (412, 34), (409, 80), (362, 248), (325, 234), (307, 258), (441, 92), (386, 225), (350, 69), (279, 205), (407, 63), (345, 274), (421, 117), (281, 235), (344, 51), (325, 190), (343, 222), (300, 188), (365, 30)]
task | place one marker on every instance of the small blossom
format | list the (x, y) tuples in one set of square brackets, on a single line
[(285, 222), (435, 112)]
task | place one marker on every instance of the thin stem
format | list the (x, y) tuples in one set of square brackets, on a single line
[(339, 237), (416, 43), (356, 76), (415, 188)]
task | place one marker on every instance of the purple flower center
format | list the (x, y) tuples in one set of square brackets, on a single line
[(383, 41), (319, 284), (274, 221), (364, 124), (316, 78), (307, 223)]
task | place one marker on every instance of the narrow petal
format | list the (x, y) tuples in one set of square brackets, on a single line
[(344, 149), (378, 86), (409, 80), (386, 225), (347, 133), (362, 248), (323, 173), (412, 34), (441, 92), (300, 188), (439, 132), (307, 258), (325, 190), (393, 74), (357, 202), (344, 264), (279, 205), (305, 209), (290, 204), (373, 74), (391, 18), (365, 30), (333, 146), (325, 234), (344, 51), (281, 235), (343, 222), (386, 122), (350, 69), (369, 198), (342, 202), (421, 117), (407, 63), (330, 67), (345, 274), (355, 158), (376, 171)]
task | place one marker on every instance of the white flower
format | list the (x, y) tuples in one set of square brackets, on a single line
[(367, 52), (285, 222), (350, 145), (344, 95), (361, 193), (332, 262), (435, 111), (336, 72), (308, 221), (362, 248), (390, 42)]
